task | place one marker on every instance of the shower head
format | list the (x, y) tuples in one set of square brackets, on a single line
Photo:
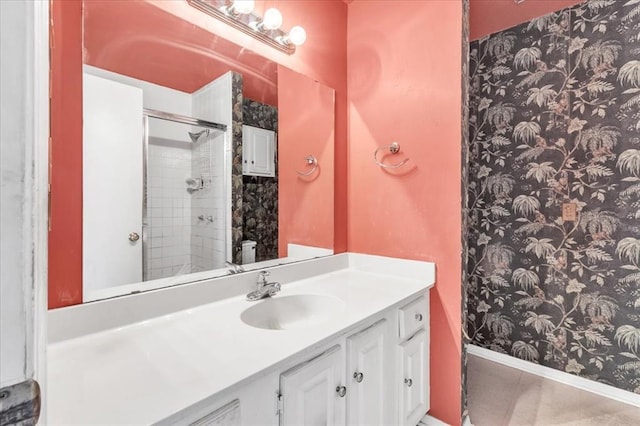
[(196, 135)]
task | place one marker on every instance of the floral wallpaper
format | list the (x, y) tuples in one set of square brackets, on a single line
[(465, 199), (236, 169), (260, 196), (555, 125)]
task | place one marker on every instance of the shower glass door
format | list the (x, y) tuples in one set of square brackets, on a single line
[(184, 211)]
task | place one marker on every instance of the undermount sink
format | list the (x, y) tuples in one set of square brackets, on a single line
[(291, 312)]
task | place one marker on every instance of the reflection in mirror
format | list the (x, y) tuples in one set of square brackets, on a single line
[(183, 213), (191, 151)]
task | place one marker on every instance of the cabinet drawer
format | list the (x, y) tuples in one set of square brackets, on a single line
[(413, 316)]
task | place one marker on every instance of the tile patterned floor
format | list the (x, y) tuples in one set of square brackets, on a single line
[(501, 395)]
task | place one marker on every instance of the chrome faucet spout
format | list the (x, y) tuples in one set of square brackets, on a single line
[(264, 288), (262, 278), (233, 268)]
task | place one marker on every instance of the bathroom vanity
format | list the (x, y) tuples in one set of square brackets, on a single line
[(345, 341)]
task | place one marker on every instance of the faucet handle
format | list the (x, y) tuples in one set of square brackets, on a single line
[(275, 289), (262, 277)]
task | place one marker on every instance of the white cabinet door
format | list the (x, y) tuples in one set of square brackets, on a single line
[(414, 380), (112, 184), (309, 392), (258, 151), (367, 403)]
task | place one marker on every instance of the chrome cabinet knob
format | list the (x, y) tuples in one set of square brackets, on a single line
[(419, 317), (133, 237), (408, 382), (358, 376), (342, 391)]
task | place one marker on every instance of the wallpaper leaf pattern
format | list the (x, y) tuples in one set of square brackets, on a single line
[(465, 203), (555, 120), (260, 194), (236, 168)]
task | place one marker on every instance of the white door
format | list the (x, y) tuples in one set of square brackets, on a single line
[(414, 380), (368, 399), (313, 393), (112, 184), (24, 141), (258, 150)]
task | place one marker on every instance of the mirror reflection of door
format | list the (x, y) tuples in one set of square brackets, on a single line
[(112, 182)]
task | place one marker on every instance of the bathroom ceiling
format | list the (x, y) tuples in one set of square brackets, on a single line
[(136, 38)]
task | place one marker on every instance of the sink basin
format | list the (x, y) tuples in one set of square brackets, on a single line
[(291, 312)]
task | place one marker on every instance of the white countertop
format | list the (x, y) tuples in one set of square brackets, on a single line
[(144, 372)]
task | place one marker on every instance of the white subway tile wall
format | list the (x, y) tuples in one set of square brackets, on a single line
[(185, 230), (212, 103), (168, 231), (207, 205)]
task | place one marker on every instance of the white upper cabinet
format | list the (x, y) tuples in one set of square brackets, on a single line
[(367, 367), (258, 151)]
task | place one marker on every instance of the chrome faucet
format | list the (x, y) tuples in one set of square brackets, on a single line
[(233, 268), (265, 288)]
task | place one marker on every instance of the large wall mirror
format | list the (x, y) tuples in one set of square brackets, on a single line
[(200, 158)]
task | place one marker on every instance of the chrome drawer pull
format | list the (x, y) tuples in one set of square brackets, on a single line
[(358, 376), (342, 391)]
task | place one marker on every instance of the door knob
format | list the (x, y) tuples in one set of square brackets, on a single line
[(358, 376), (133, 237), (419, 317), (342, 391)]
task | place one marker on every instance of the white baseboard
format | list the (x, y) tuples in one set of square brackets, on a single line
[(557, 375), (428, 420)]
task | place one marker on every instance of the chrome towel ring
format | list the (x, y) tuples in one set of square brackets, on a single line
[(394, 148), (311, 161)]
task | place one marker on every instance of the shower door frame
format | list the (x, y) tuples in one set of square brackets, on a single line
[(183, 119)]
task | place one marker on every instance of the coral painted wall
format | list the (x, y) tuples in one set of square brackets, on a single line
[(322, 57), (116, 39), (404, 68), (490, 16), (305, 214), (65, 235)]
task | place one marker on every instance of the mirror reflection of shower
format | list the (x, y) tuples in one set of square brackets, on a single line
[(184, 225), (195, 136)]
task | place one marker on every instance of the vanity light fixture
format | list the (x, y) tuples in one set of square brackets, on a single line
[(297, 36), (239, 14), (272, 19), (239, 7)]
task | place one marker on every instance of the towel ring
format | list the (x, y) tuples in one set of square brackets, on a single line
[(311, 161), (394, 148)]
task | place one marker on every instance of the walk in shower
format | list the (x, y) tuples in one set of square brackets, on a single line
[(184, 216)]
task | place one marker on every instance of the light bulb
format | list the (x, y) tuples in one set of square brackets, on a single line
[(297, 35), (272, 19), (243, 6)]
